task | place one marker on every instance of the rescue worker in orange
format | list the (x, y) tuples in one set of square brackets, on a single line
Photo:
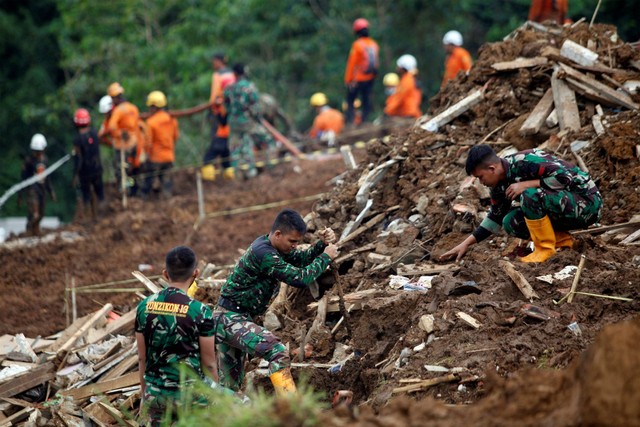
[(406, 99), (164, 132), (124, 130), (458, 59), (361, 71), (548, 10), (328, 123)]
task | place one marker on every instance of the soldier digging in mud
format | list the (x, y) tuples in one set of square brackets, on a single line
[(255, 280), (554, 196)]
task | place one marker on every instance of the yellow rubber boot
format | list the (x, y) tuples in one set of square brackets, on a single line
[(563, 240), (543, 238), (283, 382), (229, 174), (208, 172)]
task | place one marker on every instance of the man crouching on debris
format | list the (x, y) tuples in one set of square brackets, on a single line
[(554, 195), (173, 331), (254, 281)]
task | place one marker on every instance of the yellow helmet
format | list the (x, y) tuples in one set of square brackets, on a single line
[(115, 89), (391, 79), (319, 99), (157, 99)]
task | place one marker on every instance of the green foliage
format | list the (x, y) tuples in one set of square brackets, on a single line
[(59, 55)]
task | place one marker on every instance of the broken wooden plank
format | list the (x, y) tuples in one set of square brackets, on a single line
[(354, 298), (98, 414), (519, 280), (95, 318), (631, 238), (620, 98), (580, 161), (564, 100), (121, 369), (426, 384), (634, 223), (128, 380), (152, 287), (596, 121), (27, 380), (370, 224), (452, 112), (588, 92), (469, 320), (425, 269), (375, 258), (578, 54), (118, 326), (520, 63), (17, 417), (539, 114)]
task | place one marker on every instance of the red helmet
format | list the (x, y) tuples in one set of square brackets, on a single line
[(81, 117), (360, 24)]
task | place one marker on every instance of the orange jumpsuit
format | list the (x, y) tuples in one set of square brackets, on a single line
[(123, 126), (362, 64), (163, 129), (328, 119), (458, 60), (405, 101), (548, 10)]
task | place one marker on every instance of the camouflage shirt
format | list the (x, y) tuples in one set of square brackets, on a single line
[(256, 277), (172, 323), (241, 102), (554, 175)]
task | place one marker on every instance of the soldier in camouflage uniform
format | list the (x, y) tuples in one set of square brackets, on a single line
[(174, 331), (554, 195), (249, 289), (241, 101)]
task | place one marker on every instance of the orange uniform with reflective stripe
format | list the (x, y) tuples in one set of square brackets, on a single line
[(164, 132), (458, 60), (327, 119), (548, 10), (405, 101), (123, 126), (362, 64)]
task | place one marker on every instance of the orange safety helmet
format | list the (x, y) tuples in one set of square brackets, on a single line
[(115, 89), (81, 117), (360, 24)]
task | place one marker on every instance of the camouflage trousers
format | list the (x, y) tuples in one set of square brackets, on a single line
[(566, 210), (245, 140), (237, 336)]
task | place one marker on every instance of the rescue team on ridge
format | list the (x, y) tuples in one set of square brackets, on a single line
[(144, 144)]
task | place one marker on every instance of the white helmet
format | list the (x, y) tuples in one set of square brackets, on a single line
[(38, 142), (452, 37), (408, 62), (105, 105)]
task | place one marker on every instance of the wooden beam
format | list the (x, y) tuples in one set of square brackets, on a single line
[(576, 278), (128, 380), (122, 324), (520, 63), (620, 98), (519, 280), (30, 379), (469, 320), (97, 316), (426, 384), (425, 270), (152, 287), (539, 114), (121, 369), (452, 112), (634, 223), (564, 100), (588, 92), (17, 417), (370, 224)]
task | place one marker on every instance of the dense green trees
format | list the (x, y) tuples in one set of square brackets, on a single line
[(61, 54)]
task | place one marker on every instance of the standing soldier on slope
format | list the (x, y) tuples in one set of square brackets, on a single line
[(124, 131), (163, 132), (361, 71), (254, 281), (35, 164), (243, 110), (87, 171), (458, 59)]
